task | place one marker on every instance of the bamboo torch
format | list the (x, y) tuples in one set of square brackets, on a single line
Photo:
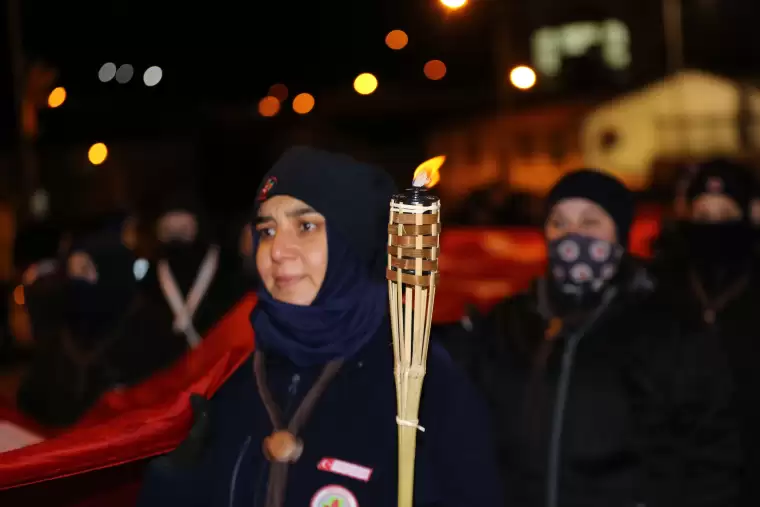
[(412, 274)]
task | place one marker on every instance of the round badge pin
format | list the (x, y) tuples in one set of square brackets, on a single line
[(334, 496)]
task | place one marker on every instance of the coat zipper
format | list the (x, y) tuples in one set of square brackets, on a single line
[(295, 380), (233, 482), (558, 415)]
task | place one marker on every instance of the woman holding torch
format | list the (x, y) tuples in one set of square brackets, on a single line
[(311, 420)]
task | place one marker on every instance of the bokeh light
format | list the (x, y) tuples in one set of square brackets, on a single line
[(57, 97), (124, 73), (522, 77), (107, 72), (140, 268), (279, 91), (97, 153), (396, 39), (454, 4), (364, 84), (153, 75), (303, 103), (18, 295), (40, 203), (435, 70), (269, 106)]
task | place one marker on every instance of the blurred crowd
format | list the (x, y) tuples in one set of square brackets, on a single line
[(623, 381), (106, 303), (612, 381)]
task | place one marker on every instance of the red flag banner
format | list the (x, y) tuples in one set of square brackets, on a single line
[(135, 423), (80, 466)]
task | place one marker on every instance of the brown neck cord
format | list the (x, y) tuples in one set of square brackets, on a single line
[(283, 447)]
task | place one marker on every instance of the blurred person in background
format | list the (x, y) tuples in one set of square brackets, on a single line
[(36, 254), (245, 249), (754, 213), (6, 338), (238, 243), (188, 289), (310, 419), (711, 276), (74, 323), (599, 396), (486, 205), (670, 238)]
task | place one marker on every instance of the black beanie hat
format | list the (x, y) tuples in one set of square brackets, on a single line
[(601, 188), (724, 177), (354, 197)]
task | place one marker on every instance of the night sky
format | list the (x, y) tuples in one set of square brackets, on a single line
[(227, 51), (232, 51)]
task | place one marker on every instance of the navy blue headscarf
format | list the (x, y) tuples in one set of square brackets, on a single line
[(352, 303), (345, 315)]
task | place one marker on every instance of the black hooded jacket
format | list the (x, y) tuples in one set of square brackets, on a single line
[(624, 410), (72, 322), (736, 299), (353, 423), (146, 342)]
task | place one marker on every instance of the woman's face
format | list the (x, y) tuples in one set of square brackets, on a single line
[(292, 253), (715, 208), (178, 226), (580, 216)]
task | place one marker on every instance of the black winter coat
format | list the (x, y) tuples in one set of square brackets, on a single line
[(353, 423), (625, 410), (735, 330)]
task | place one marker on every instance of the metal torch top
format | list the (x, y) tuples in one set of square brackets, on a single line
[(416, 196)]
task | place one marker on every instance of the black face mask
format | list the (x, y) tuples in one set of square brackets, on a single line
[(92, 308), (87, 310), (718, 251), (185, 259), (718, 243), (581, 268)]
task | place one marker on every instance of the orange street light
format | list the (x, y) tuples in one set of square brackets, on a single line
[(396, 39), (279, 91), (97, 153), (435, 70), (365, 84), (303, 103), (57, 97), (269, 106)]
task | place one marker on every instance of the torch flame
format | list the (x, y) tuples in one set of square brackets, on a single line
[(427, 173)]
